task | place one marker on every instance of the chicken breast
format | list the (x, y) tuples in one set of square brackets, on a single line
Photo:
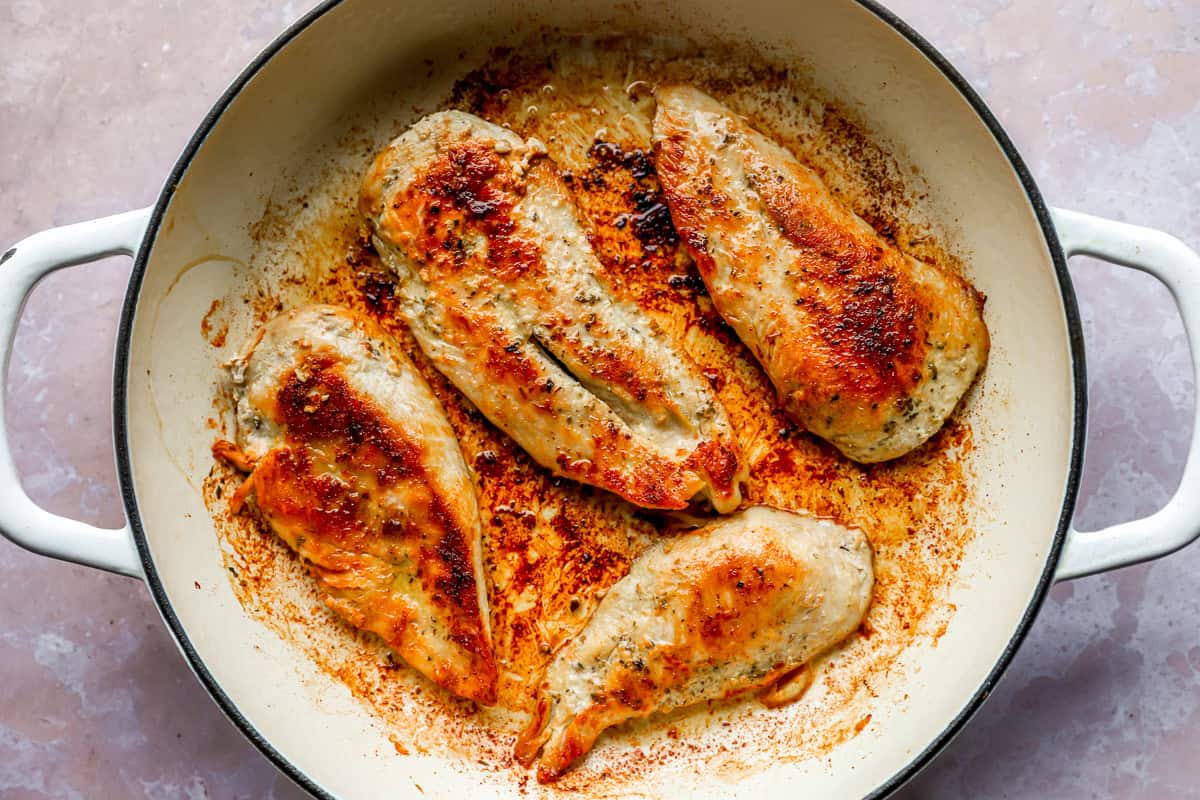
[(868, 348), (355, 466), (706, 615), (499, 285)]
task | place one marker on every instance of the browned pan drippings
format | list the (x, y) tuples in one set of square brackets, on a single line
[(552, 547)]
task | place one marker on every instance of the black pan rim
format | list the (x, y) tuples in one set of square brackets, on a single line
[(121, 381)]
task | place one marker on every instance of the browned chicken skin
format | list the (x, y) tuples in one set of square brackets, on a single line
[(868, 348), (498, 283), (718, 611), (354, 465)]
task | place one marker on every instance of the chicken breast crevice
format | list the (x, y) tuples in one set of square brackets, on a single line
[(498, 283), (731, 607), (357, 469), (868, 348)]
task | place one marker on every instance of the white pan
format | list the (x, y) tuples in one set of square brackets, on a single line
[(290, 107)]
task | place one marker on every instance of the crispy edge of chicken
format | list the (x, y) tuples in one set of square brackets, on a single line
[(868, 347), (355, 466), (499, 284), (731, 607)]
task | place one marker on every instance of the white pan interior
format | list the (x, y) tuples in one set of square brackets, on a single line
[(297, 107)]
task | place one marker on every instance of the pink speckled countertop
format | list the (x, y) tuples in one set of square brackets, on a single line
[(98, 98)]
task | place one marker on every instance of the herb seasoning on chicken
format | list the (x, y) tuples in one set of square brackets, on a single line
[(722, 610), (498, 283), (353, 464), (868, 348)]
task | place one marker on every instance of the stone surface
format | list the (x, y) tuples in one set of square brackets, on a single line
[(98, 98)]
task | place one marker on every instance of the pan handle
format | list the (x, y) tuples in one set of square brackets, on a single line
[(1178, 267), (22, 266)]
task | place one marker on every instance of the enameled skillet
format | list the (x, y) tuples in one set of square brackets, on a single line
[(290, 102)]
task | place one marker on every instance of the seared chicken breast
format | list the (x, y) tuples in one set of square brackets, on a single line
[(499, 285), (354, 465), (730, 607), (868, 348)]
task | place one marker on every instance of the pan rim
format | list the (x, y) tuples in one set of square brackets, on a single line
[(121, 392)]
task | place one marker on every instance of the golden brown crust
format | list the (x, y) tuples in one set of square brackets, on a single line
[(729, 604), (850, 330), (353, 494), (501, 290), (467, 192), (719, 611)]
